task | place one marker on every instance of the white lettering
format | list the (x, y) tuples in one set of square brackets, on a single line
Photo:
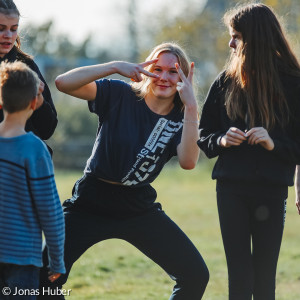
[(159, 145), (156, 133)]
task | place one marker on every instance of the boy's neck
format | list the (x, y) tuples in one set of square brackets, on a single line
[(13, 124)]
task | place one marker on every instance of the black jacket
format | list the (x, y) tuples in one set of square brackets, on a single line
[(44, 120), (246, 163)]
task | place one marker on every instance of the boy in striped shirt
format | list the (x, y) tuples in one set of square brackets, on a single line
[(29, 203)]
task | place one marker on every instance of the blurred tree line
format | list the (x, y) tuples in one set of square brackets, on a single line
[(198, 29)]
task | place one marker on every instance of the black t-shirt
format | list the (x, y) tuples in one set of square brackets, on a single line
[(133, 143)]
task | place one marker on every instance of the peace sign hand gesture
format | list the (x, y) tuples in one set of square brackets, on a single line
[(185, 86), (134, 71)]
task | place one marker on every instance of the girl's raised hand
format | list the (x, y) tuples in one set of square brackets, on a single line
[(134, 71), (185, 86)]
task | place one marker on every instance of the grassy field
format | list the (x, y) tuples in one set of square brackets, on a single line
[(115, 270)]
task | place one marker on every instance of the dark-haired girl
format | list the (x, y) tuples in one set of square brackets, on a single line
[(43, 121), (251, 121)]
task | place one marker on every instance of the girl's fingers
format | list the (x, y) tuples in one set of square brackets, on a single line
[(139, 77), (252, 140), (149, 74), (251, 132), (236, 136), (234, 130), (256, 130), (148, 63), (136, 78), (259, 140), (191, 73), (180, 73), (233, 141)]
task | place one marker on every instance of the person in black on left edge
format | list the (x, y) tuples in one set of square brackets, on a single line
[(44, 120)]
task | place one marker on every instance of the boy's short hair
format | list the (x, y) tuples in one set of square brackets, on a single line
[(18, 86)]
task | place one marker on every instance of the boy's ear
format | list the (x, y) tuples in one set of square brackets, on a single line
[(33, 103)]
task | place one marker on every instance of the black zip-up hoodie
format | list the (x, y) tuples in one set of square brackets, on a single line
[(251, 164)]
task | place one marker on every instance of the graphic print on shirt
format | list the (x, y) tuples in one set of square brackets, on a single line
[(149, 155)]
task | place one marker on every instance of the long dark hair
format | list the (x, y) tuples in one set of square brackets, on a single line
[(8, 7), (254, 70)]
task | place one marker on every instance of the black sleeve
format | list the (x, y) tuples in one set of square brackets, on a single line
[(287, 147), (210, 123), (109, 94), (44, 120)]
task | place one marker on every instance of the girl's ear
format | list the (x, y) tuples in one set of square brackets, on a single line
[(33, 103)]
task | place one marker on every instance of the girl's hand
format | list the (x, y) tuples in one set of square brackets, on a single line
[(53, 276), (233, 137), (185, 86), (134, 71), (40, 98), (259, 135)]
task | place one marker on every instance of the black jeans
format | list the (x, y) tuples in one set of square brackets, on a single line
[(252, 222), (151, 231)]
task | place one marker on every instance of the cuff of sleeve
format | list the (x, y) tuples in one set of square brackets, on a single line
[(57, 267), (92, 106), (218, 141)]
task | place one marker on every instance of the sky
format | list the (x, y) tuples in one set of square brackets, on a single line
[(104, 19)]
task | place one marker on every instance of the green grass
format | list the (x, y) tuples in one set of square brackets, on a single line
[(115, 270)]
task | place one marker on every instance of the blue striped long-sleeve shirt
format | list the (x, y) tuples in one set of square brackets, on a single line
[(29, 204)]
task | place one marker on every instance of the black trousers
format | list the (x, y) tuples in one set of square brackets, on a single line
[(150, 231), (252, 222)]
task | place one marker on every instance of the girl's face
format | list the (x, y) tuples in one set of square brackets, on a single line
[(235, 39), (8, 32), (164, 87)]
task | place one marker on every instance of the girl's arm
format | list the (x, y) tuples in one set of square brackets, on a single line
[(211, 131), (188, 150), (80, 82)]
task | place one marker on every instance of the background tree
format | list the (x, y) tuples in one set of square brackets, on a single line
[(204, 35)]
